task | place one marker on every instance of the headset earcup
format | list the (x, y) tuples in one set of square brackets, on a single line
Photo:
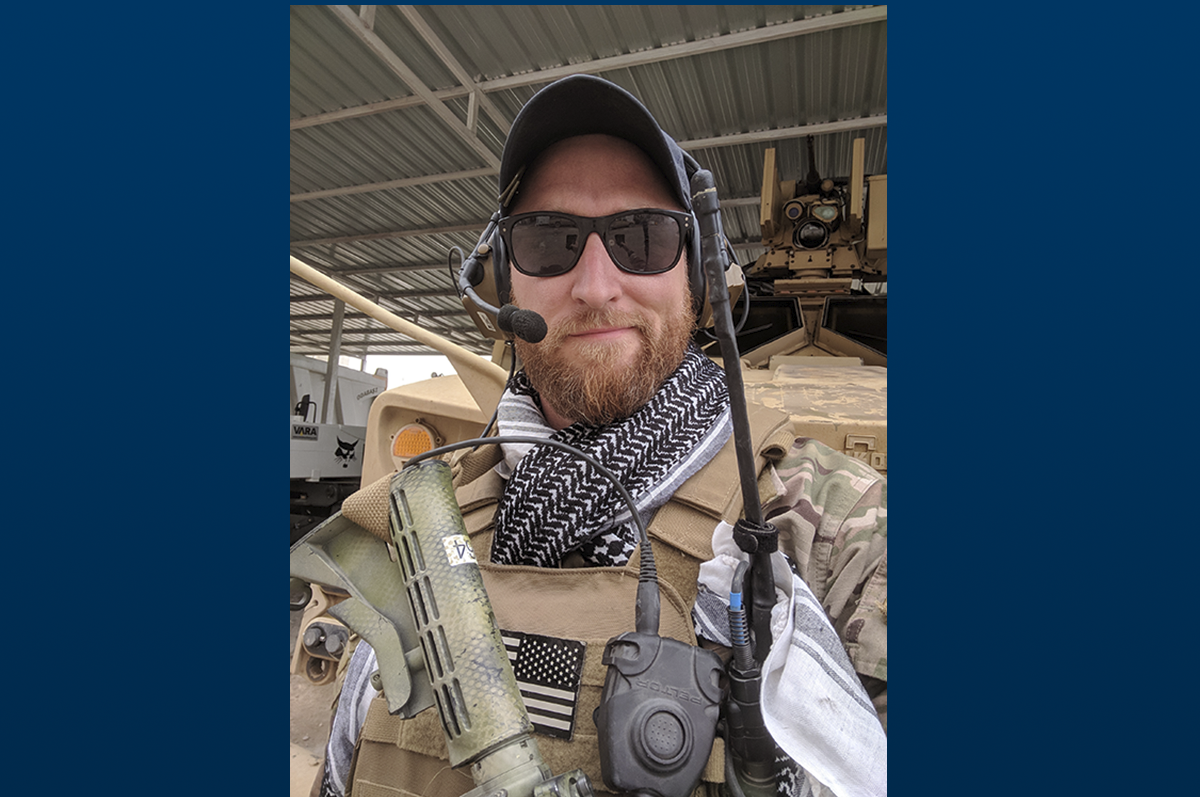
[(697, 280), (500, 267), (477, 284)]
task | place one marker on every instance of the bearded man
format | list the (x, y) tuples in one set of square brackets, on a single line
[(597, 237)]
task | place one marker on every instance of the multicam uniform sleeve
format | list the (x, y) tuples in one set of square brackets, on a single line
[(831, 512)]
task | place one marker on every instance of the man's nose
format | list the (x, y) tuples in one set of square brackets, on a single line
[(597, 278)]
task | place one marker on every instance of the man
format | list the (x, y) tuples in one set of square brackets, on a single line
[(597, 238)]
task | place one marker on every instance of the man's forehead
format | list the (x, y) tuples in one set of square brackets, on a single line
[(602, 162)]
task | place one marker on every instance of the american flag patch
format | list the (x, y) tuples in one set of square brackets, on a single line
[(548, 672)]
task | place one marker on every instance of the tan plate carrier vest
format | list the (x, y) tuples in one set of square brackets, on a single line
[(589, 604)]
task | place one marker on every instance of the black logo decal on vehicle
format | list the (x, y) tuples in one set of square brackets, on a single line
[(345, 452)]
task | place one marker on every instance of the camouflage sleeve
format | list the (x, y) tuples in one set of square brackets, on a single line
[(831, 512)]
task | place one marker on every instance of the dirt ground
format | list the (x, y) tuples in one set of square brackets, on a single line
[(311, 711)]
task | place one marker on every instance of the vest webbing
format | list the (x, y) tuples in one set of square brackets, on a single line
[(408, 757)]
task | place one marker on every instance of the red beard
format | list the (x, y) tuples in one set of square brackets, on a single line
[(590, 383)]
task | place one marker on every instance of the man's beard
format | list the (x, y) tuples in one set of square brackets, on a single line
[(589, 384)]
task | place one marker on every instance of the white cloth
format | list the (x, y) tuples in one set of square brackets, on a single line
[(353, 701), (814, 705)]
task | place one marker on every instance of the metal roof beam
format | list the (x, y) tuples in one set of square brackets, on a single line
[(393, 269), (758, 136), (303, 337), (355, 315), (478, 98), (785, 30), (374, 333), (377, 236), (419, 294), (390, 184), (376, 45), (331, 363), (727, 41), (731, 140), (401, 349)]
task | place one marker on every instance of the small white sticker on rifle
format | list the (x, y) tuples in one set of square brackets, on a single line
[(458, 550)]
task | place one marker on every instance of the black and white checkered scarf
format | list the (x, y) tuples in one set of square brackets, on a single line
[(555, 503)]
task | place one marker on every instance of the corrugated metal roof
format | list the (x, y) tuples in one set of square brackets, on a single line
[(388, 174)]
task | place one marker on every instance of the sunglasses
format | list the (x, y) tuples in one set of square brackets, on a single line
[(645, 241)]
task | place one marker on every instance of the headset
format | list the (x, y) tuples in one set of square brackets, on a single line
[(484, 287)]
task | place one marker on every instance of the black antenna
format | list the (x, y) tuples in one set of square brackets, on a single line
[(752, 535)]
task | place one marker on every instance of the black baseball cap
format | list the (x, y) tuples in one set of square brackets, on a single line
[(581, 105)]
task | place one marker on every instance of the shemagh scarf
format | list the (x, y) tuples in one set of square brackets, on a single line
[(828, 736), (556, 503)]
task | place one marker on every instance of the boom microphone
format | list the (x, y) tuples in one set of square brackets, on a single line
[(525, 324)]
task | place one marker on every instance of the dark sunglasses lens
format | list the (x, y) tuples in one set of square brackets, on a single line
[(644, 243), (545, 246)]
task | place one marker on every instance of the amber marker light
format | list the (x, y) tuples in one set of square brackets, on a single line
[(412, 439)]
